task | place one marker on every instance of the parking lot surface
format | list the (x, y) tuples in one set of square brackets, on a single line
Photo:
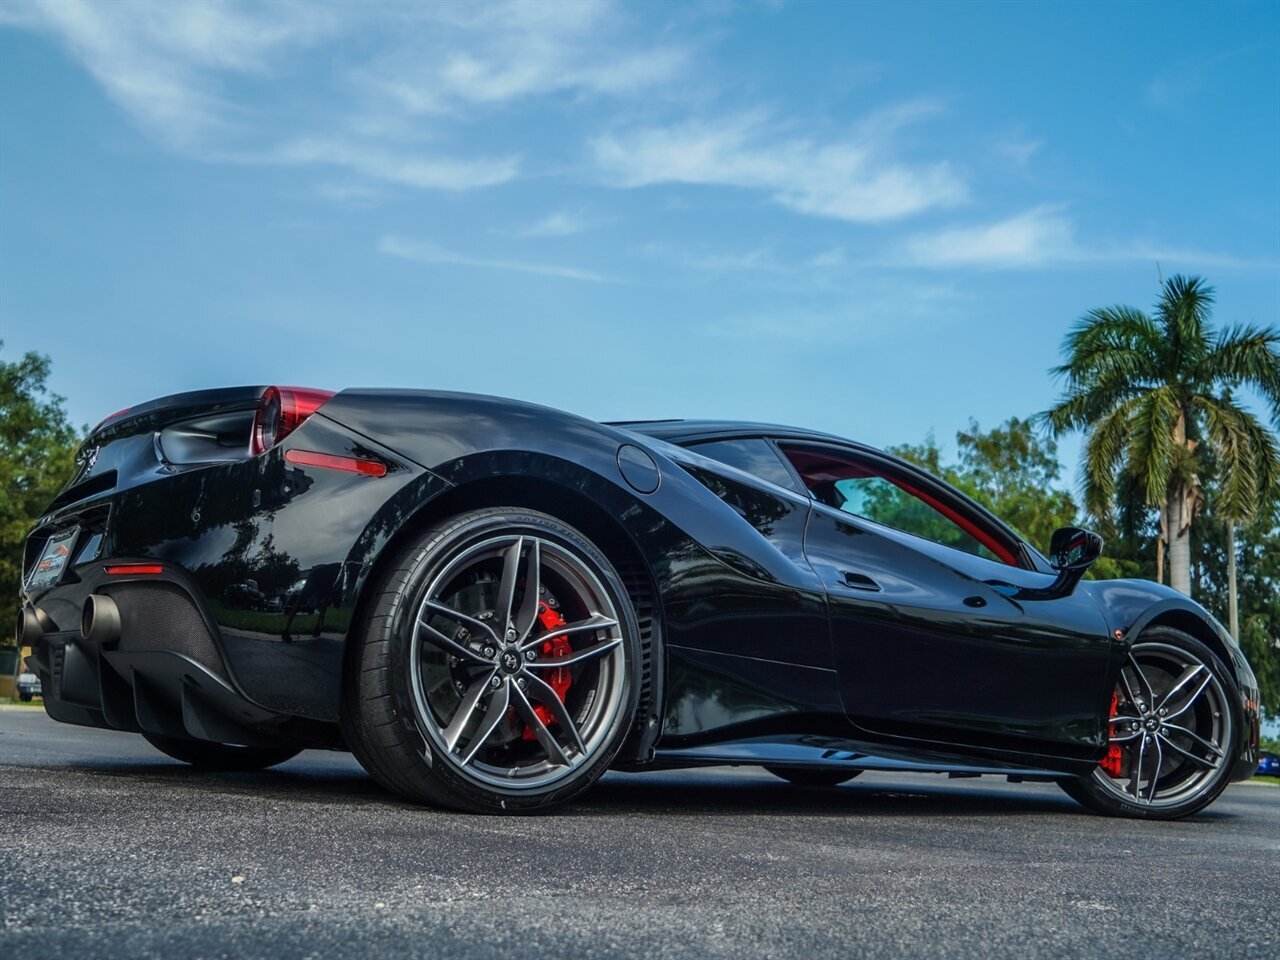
[(113, 850)]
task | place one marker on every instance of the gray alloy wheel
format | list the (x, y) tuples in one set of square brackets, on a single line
[(1174, 731), (509, 654)]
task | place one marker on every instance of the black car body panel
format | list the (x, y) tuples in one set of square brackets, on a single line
[(756, 646)]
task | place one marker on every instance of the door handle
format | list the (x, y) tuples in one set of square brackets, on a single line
[(859, 581)]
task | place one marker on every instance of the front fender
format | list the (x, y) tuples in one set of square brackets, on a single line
[(1130, 606)]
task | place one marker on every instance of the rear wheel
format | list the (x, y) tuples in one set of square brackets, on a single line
[(1174, 728), (809, 777), (498, 667), (224, 757)]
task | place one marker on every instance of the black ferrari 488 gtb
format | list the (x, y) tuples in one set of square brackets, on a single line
[(491, 603)]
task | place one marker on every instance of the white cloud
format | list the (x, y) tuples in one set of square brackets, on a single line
[(560, 223), (425, 251), (1019, 150), (758, 260), (1044, 236), (408, 169), (875, 308), (162, 62), (487, 53), (850, 180), (1033, 237), (228, 81)]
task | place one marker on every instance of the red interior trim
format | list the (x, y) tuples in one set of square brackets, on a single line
[(966, 524), (815, 465), (307, 458)]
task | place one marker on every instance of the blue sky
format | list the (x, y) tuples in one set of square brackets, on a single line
[(878, 220)]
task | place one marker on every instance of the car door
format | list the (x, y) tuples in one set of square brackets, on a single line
[(929, 643)]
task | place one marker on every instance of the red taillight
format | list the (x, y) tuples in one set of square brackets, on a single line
[(105, 420), (281, 411), (135, 570)]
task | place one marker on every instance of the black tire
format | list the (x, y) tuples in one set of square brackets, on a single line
[(810, 777), (385, 694), (221, 757), (25, 696), (1100, 795)]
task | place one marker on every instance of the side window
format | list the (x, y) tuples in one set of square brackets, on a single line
[(874, 491), (753, 456)]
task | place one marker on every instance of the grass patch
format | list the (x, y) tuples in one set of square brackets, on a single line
[(1274, 781)]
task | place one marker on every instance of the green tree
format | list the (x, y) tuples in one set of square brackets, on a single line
[(1257, 552), (1011, 470), (1151, 390), (37, 447)]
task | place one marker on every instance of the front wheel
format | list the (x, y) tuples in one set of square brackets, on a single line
[(1173, 732), (498, 668), (221, 757)]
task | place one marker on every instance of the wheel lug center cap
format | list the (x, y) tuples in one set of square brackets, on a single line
[(510, 660), (1153, 724)]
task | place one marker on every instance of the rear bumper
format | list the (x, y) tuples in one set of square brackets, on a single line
[(166, 673)]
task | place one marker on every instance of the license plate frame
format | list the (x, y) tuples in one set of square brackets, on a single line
[(54, 561)]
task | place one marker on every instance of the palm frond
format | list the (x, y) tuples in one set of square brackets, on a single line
[(1116, 338), (1183, 310), (1245, 355), (1082, 406), (1237, 494), (1151, 446), (1104, 452)]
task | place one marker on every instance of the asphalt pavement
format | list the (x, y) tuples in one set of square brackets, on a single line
[(112, 850)]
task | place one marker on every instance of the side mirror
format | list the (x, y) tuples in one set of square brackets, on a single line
[(1073, 550)]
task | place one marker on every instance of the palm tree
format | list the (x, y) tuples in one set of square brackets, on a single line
[(1150, 390)]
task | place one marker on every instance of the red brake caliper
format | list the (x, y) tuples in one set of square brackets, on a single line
[(1113, 763), (558, 679)]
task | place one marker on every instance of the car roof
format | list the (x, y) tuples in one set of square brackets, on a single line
[(683, 431)]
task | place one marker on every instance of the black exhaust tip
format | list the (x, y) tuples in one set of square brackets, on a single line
[(33, 623), (100, 620)]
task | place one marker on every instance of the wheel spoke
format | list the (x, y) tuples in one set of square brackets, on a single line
[(593, 622), (507, 585), (1126, 738), (466, 708), (577, 656), (1146, 684), (1189, 674), (528, 613), (1135, 773), (1201, 762), (543, 693), (530, 716), (494, 711), (1208, 678), (462, 618), (1196, 738), (1155, 777), (1128, 689), (450, 644)]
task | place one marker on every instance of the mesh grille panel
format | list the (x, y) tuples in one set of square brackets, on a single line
[(159, 616), (637, 585)]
